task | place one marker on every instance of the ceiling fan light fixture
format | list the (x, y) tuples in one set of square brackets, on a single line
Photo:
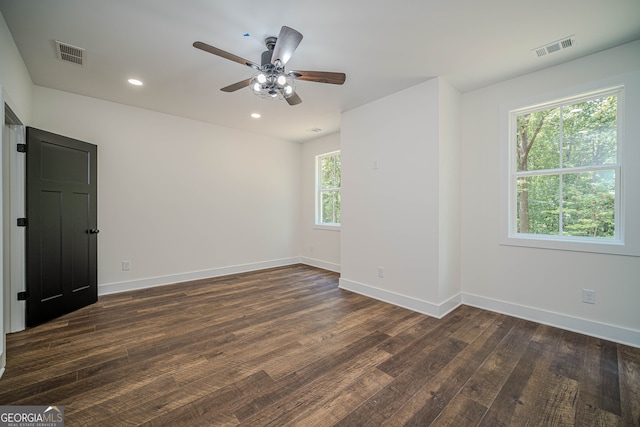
[(270, 80), (272, 83)]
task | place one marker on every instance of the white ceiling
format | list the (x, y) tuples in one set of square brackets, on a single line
[(383, 47)]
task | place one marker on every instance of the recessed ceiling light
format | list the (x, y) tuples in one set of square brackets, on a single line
[(255, 115), (135, 82)]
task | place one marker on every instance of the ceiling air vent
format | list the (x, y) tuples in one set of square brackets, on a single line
[(69, 53), (556, 46)]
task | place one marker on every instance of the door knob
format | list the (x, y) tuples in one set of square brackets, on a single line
[(94, 231)]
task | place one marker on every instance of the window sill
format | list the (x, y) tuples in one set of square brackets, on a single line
[(601, 246), (327, 227)]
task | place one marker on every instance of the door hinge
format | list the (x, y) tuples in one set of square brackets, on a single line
[(22, 222), (22, 148), (23, 296)]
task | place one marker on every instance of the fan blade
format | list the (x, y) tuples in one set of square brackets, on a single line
[(288, 41), (234, 87), (319, 76), (294, 99), (223, 54)]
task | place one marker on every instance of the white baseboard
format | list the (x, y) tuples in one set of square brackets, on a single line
[(613, 333), (320, 264), (584, 326), (450, 304), (424, 307), (575, 324), (130, 285)]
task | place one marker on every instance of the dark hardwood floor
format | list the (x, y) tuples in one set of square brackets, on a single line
[(287, 347)]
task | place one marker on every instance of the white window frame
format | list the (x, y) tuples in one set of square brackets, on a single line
[(319, 191), (626, 240)]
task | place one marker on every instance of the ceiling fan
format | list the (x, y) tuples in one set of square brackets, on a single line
[(270, 79)]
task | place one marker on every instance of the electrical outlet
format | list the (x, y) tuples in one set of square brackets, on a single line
[(126, 265), (588, 296), (381, 272)]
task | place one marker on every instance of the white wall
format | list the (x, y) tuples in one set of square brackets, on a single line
[(543, 285), (393, 198), (320, 246), (178, 198), (449, 112), (14, 77)]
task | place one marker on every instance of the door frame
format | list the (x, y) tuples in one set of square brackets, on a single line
[(14, 254), (14, 238), (3, 333)]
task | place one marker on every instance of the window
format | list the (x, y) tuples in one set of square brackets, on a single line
[(565, 167), (328, 189), (567, 174)]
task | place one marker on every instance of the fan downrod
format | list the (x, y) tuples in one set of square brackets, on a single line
[(270, 42), (266, 55)]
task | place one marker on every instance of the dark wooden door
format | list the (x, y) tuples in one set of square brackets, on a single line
[(61, 262)]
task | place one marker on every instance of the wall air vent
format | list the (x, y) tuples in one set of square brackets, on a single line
[(556, 46), (69, 53)]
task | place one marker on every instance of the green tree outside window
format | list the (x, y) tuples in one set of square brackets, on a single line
[(567, 168), (329, 181)]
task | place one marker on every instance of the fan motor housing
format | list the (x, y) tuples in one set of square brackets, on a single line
[(266, 57)]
